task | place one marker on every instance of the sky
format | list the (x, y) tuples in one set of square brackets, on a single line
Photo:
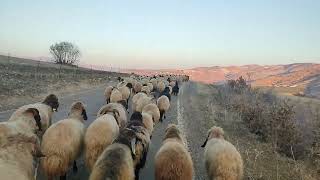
[(166, 33)]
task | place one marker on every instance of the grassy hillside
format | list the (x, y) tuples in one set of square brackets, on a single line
[(28, 78)]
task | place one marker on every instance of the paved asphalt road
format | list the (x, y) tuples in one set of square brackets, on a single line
[(94, 99)]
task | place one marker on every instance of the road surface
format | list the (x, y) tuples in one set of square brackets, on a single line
[(183, 111)]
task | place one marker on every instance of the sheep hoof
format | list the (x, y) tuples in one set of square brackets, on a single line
[(75, 168), (64, 177)]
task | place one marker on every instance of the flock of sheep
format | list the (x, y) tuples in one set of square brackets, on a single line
[(115, 147)]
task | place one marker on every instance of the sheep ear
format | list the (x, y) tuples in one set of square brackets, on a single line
[(36, 116), (133, 146), (205, 143)]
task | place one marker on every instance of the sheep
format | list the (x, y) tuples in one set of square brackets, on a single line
[(119, 110), (148, 122), (161, 86), (173, 161), (150, 85), (122, 84), (116, 96), (143, 101), (116, 161), (154, 83), (28, 122), (153, 110), (172, 83), (62, 143), (222, 159), (146, 89), (99, 135), (163, 104), (45, 108), (135, 99), (137, 87), (142, 144), (18, 155), (166, 92), (175, 89), (125, 91), (107, 93), (170, 90)]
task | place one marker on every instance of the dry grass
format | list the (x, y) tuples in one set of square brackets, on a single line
[(262, 159)]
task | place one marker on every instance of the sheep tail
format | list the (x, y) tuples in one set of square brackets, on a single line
[(55, 165)]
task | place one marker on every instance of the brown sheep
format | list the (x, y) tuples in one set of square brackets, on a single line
[(163, 104), (107, 93), (173, 161), (62, 143), (99, 135)]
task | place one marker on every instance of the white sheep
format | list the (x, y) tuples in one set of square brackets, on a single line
[(146, 89), (116, 96), (135, 99), (45, 108), (143, 101), (163, 104), (137, 87), (18, 156), (62, 142), (125, 91), (99, 135), (107, 93), (153, 110), (222, 159), (148, 122), (119, 111), (173, 161), (160, 86)]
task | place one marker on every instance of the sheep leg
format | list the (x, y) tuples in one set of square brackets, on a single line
[(161, 115), (75, 168), (136, 173), (64, 177), (164, 115)]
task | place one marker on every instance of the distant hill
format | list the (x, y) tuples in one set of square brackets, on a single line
[(303, 76)]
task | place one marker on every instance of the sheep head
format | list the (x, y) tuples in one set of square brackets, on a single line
[(78, 108), (214, 132), (52, 101), (172, 131)]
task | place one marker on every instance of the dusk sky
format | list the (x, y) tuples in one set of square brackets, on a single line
[(166, 33)]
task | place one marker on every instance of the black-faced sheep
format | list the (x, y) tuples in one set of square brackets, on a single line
[(45, 108), (166, 92), (163, 104), (62, 142), (175, 89), (222, 159), (99, 135), (173, 161)]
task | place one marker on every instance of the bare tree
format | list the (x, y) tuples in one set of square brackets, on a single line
[(65, 53)]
